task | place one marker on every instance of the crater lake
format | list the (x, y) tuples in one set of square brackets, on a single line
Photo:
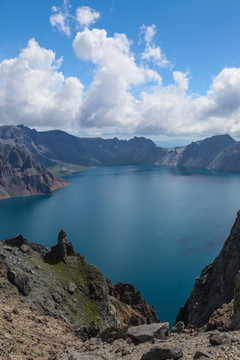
[(154, 227)]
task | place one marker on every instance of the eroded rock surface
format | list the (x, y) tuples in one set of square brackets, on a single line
[(130, 305), (216, 284), (21, 175), (31, 328), (58, 282)]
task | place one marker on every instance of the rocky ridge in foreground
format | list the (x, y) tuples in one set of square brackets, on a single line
[(26, 333), (56, 306), (60, 282)]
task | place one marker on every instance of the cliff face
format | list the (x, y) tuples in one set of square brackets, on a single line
[(130, 305), (216, 284), (21, 175)]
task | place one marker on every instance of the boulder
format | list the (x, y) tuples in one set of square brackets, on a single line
[(163, 352), (96, 342), (143, 333), (179, 327), (57, 298), (217, 338), (71, 287), (88, 332), (202, 353), (21, 281), (112, 333), (25, 249)]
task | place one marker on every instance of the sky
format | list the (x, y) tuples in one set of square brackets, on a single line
[(166, 69)]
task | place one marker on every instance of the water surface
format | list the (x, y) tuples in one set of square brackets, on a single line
[(155, 227)]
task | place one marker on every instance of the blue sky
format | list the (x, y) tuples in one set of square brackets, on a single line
[(172, 74)]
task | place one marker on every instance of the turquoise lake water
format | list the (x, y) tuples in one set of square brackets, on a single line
[(154, 227)]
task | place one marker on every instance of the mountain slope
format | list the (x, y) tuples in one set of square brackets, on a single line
[(206, 153), (21, 175), (58, 148), (216, 284), (51, 147)]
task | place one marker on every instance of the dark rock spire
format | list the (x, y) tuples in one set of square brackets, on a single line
[(62, 250)]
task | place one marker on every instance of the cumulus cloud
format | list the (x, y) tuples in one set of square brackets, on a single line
[(60, 18), (113, 102), (152, 52), (34, 92), (110, 95), (148, 32), (125, 97), (86, 16)]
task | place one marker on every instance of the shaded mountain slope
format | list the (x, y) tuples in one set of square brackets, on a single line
[(21, 175), (50, 147), (207, 153), (216, 284)]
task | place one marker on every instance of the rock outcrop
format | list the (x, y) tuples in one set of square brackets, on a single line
[(234, 308), (59, 282), (216, 284), (58, 307), (62, 250), (21, 175), (130, 305)]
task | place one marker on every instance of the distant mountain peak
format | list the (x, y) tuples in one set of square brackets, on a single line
[(223, 137)]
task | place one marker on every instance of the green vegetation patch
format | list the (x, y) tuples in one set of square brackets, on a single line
[(91, 310), (65, 169)]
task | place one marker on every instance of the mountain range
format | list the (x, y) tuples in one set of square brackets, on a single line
[(26, 153), (58, 148)]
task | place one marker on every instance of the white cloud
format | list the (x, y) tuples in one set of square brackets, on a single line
[(109, 96), (60, 18), (181, 79), (35, 93), (86, 16), (113, 102), (152, 52), (125, 97), (148, 32)]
